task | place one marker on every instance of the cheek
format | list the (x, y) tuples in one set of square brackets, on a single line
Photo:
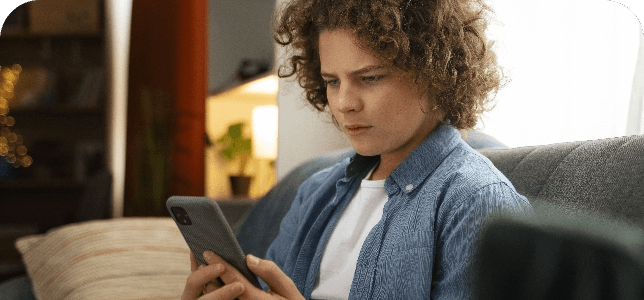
[(333, 109), (331, 91), (332, 96), (394, 105), (402, 114)]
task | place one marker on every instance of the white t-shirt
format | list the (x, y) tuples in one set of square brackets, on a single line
[(340, 256)]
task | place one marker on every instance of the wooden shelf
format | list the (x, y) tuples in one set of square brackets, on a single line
[(36, 184), (37, 36), (56, 110)]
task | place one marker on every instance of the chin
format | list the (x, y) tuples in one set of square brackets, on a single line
[(366, 151)]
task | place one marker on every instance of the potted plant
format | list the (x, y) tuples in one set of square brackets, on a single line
[(236, 147)]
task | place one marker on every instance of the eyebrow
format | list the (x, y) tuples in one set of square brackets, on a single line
[(360, 71)]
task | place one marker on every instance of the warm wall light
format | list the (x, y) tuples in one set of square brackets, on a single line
[(263, 86), (264, 137), (258, 89)]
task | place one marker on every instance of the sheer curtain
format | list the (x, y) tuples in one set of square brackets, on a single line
[(572, 69)]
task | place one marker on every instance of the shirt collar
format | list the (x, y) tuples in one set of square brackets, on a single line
[(360, 164), (418, 165)]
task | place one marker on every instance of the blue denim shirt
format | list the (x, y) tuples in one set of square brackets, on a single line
[(423, 244)]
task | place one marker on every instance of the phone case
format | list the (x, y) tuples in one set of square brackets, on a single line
[(208, 230)]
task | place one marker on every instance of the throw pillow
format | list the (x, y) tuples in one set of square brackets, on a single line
[(126, 258)]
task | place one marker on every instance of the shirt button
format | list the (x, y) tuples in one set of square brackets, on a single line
[(409, 187)]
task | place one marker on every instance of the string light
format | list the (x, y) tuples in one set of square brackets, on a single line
[(11, 147)]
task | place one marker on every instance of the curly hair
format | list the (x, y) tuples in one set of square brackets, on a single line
[(441, 43)]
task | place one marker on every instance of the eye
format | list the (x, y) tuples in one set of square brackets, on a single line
[(332, 82), (371, 79)]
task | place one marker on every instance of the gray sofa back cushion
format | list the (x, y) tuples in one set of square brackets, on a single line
[(604, 177)]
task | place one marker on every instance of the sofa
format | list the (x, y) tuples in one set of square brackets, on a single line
[(588, 198)]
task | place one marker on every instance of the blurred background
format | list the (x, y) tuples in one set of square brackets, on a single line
[(109, 107)]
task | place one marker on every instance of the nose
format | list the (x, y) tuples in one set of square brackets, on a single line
[(348, 100)]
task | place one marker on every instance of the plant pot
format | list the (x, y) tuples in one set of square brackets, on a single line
[(240, 185)]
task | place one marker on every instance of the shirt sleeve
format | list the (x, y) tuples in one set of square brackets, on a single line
[(458, 235), (279, 249)]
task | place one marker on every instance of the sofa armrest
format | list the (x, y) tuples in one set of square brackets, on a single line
[(558, 254)]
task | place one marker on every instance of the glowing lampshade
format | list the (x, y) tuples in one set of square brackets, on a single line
[(262, 89), (263, 86), (265, 131)]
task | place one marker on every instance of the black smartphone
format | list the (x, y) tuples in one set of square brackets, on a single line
[(204, 227)]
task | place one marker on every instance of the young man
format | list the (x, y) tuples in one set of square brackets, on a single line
[(399, 220)]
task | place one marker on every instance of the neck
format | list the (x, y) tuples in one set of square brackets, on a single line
[(389, 161), (387, 165)]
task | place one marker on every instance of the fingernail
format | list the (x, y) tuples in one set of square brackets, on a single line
[(208, 255), (201, 267), (254, 260), (217, 267)]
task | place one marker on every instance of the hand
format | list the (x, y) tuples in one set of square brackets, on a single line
[(203, 280), (281, 286)]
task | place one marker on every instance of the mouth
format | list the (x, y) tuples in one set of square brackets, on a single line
[(356, 129)]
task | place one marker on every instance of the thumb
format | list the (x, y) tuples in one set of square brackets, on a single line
[(279, 282)]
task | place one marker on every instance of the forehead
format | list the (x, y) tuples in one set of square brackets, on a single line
[(340, 52)]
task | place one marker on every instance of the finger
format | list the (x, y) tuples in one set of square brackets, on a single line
[(229, 291), (211, 286), (193, 262), (274, 277), (231, 274), (198, 279)]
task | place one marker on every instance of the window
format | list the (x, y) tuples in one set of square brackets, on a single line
[(572, 65)]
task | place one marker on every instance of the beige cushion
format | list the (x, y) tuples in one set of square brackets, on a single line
[(126, 258)]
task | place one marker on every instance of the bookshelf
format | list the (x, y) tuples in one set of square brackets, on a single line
[(59, 110)]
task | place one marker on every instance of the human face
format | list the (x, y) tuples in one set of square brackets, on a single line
[(377, 106)]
